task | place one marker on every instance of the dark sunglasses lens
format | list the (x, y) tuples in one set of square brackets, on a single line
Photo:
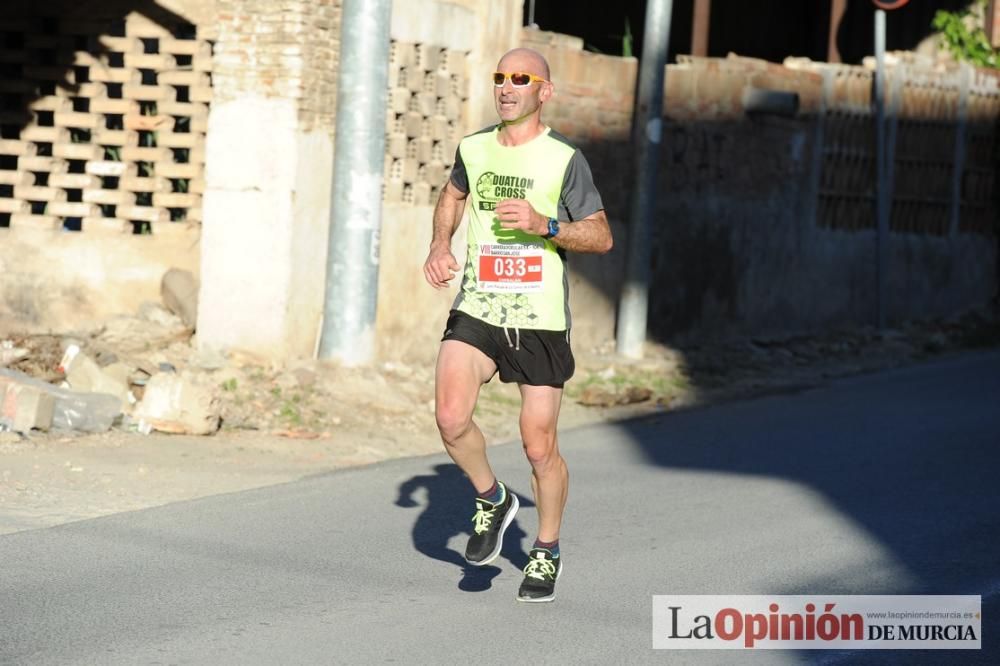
[(520, 79), (498, 78)]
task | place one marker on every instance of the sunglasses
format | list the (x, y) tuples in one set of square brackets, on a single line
[(517, 79)]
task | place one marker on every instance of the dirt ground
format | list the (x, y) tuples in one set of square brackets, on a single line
[(281, 423)]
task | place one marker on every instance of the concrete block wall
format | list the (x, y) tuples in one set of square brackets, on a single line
[(428, 93), (103, 115), (111, 138), (765, 224)]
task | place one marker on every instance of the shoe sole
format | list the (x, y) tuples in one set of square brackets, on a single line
[(515, 505), (541, 600)]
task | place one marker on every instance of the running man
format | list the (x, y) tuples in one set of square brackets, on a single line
[(532, 199)]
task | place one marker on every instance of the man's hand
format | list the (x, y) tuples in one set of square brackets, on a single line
[(440, 266), (519, 214)]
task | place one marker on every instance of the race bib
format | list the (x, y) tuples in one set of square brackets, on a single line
[(510, 267)]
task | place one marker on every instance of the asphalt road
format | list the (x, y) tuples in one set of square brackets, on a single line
[(882, 484)]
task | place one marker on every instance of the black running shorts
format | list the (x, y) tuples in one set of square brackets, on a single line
[(522, 355)]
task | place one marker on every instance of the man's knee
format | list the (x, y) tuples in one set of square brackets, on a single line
[(453, 420), (541, 451)]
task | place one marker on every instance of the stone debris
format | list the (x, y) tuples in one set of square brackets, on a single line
[(83, 374), (24, 407), (71, 410), (180, 403), (179, 290)]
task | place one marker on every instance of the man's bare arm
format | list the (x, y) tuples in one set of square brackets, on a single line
[(440, 266), (592, 234), (589, 235)]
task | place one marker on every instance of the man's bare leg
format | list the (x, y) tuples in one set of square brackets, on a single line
[(461, 371), (549, 474)]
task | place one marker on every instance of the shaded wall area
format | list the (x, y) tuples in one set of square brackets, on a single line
[(102, 114), (765, 224)]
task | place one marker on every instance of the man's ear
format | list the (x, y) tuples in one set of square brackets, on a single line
[(545, 94)]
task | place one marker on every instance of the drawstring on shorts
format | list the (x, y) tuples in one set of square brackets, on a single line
[(517, 338)]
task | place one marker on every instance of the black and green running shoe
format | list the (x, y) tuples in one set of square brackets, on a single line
[(540, 576), (490, 522)]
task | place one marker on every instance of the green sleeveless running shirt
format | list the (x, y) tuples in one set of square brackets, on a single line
[(511, 278)]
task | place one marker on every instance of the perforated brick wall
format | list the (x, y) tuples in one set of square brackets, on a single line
[(428, 90), (103, 124)]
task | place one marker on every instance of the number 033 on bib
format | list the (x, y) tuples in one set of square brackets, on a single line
[(510, 267)]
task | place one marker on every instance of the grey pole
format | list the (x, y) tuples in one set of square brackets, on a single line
[(348, 332), (881, 175), (647, 137)]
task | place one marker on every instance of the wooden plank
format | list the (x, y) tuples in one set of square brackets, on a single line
[(155, 61), (177, 170), (8, 205), (114, 75), (196, 155), (74, 181), (106, 137), (77, 119), (16, 147), (50, 103), (45, 134), (191, 47), (143, 213), (37, 193), (178, 227), (139, 25), (201, 94), (134, 121), (114, 106), (105, 225), (149, 93), (83, 90), (145, 154), (39, 222), (185, 78), (170, 140), (202, 63), (111, 169), (109, 197), (176, 199), (9, 177), (120, 44), (71, 209), (41, 163), (144, 184), (77, 151), (193, 109)]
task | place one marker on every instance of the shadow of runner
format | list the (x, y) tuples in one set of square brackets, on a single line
[(448, 490)]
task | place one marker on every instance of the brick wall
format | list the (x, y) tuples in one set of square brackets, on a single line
[(285, 48), (103, 121)]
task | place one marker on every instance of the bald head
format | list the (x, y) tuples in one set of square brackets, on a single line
[(524, 60)]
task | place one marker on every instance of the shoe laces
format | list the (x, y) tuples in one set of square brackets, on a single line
[(540, 568), (483, 518)]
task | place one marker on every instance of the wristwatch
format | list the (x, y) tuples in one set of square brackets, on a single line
[(553, 228)]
